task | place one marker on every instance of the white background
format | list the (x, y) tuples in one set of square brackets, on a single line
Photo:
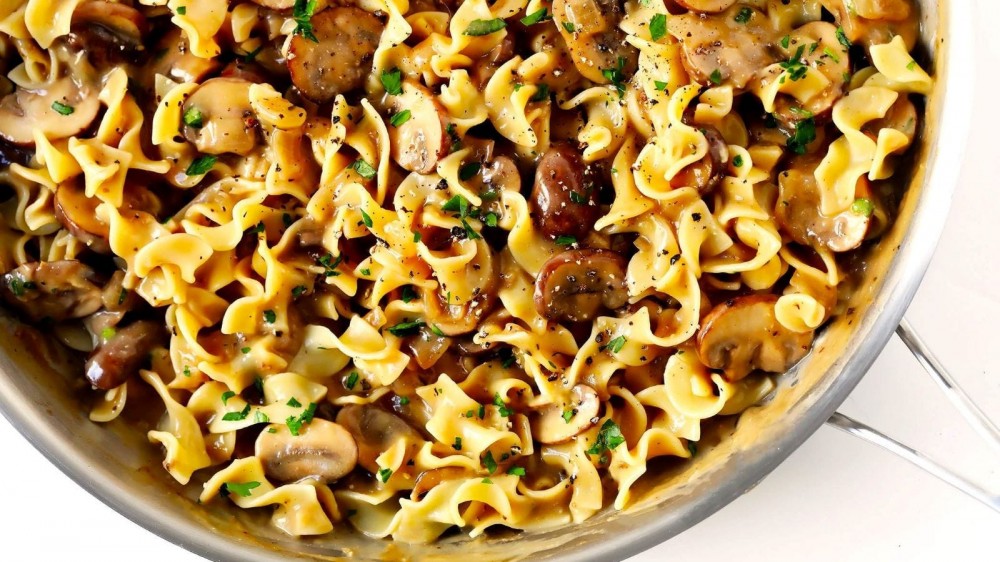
[(835, 499)]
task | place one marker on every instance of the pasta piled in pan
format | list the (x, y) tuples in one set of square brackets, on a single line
[(407, 266)]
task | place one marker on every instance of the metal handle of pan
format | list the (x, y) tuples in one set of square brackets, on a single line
[(976, 418)]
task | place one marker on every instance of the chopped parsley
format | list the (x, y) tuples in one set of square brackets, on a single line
[(536, 17), (912, 65), (384, 474), (458, 444), (122, 295), (501, 406), (408, 294), (568, 26), (568, 414), (107, 333), (785, 41), (302, 13), (794, 67), (237, 416), (406, 328), (365, 271), (615, 345), (744, 15), (507, 358), (392, 81), (330, 263), (833, 56), (478, 27), (716, 77), (608, 439), (201, 165), (295, 423), (193, 117), (244, 350), (738, 161), (260, 417), (863, 207), (298, 291), (403, 401), (805, 133), (566, 240), (842, 37), (457, 204), (489, 462), (469, 171), (616, 76), (657, 27), (660, 86), (692, 448), (294, 403), (270, 316), (437, 331), (470, 232), (490, 219), (186, 371), (227, 395), (364, 169), (577, 198), (62, 109), (366, 218), (516, 471), (416, 237), (400, 118), (486, 481), (182, 10), (240, 489), (541, 94), (352, 379)]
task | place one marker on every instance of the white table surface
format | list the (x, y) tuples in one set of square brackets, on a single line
[(836, 498)]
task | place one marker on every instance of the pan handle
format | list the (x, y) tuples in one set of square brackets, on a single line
[(986, 428)]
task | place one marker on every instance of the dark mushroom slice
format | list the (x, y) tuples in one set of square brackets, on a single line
[(576, 285), (375, 430), (57, 290), (108, 33), (428, 479), (488, 65), (120, 357), (218, 117), (564, 197), (798, 213), (817, 45), (876, 22), (595, 41), (558, 423), (742, 335), (422, 140), (341, 57), (707, 6), (322, 450), (706, 174), (63, 110), (722, 48)]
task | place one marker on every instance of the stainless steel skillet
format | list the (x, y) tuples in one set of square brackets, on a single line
[(117, 465)]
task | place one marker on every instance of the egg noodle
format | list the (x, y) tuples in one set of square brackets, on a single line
[(407, 266)]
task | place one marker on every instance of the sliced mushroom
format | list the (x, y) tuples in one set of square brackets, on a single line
[(13, 154), (421, 140), (108, 33), (798, 212), (875, 22), (722, 48), (120, 357), (817, 47), (596, 43), (57, 290), (707, 6), (706, 174), (488, 65), (322, 450), (375, 430), (742, 335), (218, 117), (428, 479), (564, 197), (173, 58), (63, 110), (558, 423), (341, 57), (576, 285)]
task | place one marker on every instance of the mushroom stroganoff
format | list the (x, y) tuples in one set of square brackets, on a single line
[(408, 266)]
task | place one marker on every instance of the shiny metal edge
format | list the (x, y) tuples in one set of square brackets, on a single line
[(650, 529)]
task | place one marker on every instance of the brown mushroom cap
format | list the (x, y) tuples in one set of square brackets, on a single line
[(119, 358), (323, 450), (798, 213), (421, 141), (558, 423), (707, 6), (58, 290), (375, 430), (742, 334), (576, 285), (108, 33), (341, 57), (706, 174), (25, 112), (564, 197), (719, 45), (227, 119), (596, 43)]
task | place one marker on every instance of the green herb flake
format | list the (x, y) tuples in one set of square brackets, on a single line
[(294, 403), (227, 395), (392, 81), (692, 448), (738, 161), (478, 27), (457, 204), (744, 15), (508, 359), (403, 401), (833, 56), (62, 109), (186, 371), (608, 439), (794, 67), (805, 133), (406, 328), (400, 118), (365, 271), (298, 291), (108, 333), (502, 408), (616, 344), (384, 474), (541, 94), (201, 165), (364, 169), (568, 414), (863, 207), (330, 264), (237, 416), (408, 294), (270, 316), (842, 37), (469, 171), (437, 331), (352, 379), (658, 27), (716, 77), (536, 17), (616, 76), (566, 240), (302, 13), (569, 26), (245, 350), (295, 423), (122, 295), (470, 232), (516, 471), (912, 65), (458, 444), (486, 481), (490, 219), (785, 41), (182, 10), (366, 218), (240, 489), (489, 462), (260, 417), (577, 198), (660, 86)]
